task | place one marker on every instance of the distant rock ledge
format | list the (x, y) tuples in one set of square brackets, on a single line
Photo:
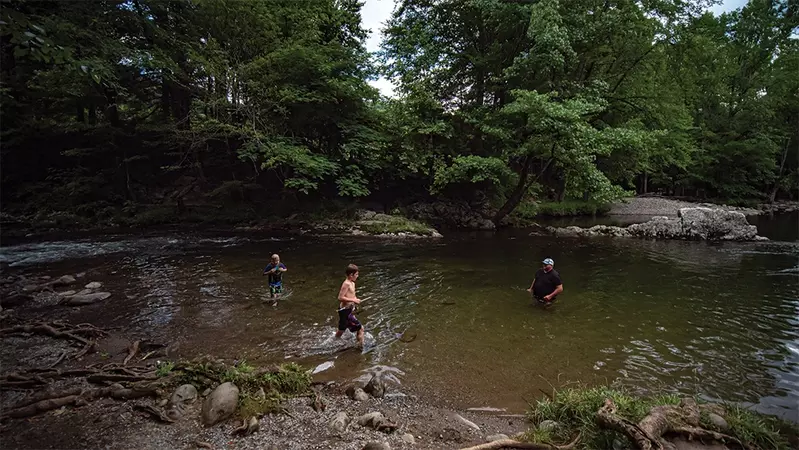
[(690, 224)]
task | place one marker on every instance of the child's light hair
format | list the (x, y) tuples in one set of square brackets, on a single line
[(275, 257)]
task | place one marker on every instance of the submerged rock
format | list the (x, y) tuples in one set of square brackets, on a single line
[(86, 299), (220, 403), (94, 285)]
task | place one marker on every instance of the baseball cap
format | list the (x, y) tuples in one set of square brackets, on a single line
[(549, 262)]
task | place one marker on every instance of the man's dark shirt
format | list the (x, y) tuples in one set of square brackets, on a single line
[(546, 282)]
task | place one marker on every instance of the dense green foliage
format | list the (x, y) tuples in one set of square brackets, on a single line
[(111, 105)]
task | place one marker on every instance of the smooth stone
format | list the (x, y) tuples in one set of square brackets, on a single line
[(220, 404), (377, 446), (548, 425), (497, 437), (718, 422), (94, 285), (359, 395), (339, 422), (408, 439)]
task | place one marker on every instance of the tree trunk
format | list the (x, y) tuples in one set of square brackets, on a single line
[(645, 182), (518, 192), (92, 113), (80, 112), (111, 111)]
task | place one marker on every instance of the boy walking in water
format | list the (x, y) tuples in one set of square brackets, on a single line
[(275, 271), (347, 301)]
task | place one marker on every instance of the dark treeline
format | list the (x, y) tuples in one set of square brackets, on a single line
[(110, 105)]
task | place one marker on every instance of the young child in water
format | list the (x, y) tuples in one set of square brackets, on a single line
[(347, 301), (275, 271)]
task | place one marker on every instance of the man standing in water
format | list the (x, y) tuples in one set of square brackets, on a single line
[(546, 284), (347, 301)]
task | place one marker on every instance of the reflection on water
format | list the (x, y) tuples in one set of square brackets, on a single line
[(718, 320)]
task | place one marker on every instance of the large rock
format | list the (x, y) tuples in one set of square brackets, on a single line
[(692, 223), (452, 215), (377, 446), (716, 224), (220, 403), (660, 227), (376, 386), (183, 396)]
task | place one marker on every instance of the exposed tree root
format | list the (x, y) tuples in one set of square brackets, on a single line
[(44, 328), (662, 421), (510, 443), (70, 397), (154, 412), (248, 426), (134, 348)]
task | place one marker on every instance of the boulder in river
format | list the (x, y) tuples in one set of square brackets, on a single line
[(692, 223), (220, 403)]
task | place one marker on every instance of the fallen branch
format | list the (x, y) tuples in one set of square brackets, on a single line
[(134, 348)]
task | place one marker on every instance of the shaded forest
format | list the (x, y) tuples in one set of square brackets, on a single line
[(111, 108)]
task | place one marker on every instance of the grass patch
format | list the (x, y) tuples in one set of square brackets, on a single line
[(384, 224), (260, 391), (575, 411)]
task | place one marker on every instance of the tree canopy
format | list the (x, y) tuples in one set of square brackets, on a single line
[(114, 103)]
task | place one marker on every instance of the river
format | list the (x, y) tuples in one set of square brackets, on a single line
[(718, 320)]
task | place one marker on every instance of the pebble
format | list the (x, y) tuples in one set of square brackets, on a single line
[(548, 425), (408, 439), (94, 285), (377, 446), (497, 437), (360, 396)]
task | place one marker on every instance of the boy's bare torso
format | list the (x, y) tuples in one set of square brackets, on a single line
[(348, 288)]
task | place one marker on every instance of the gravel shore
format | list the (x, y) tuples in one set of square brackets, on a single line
[(661, 206), (117, 425)]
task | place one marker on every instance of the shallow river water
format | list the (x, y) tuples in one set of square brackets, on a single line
[(718, 320)]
